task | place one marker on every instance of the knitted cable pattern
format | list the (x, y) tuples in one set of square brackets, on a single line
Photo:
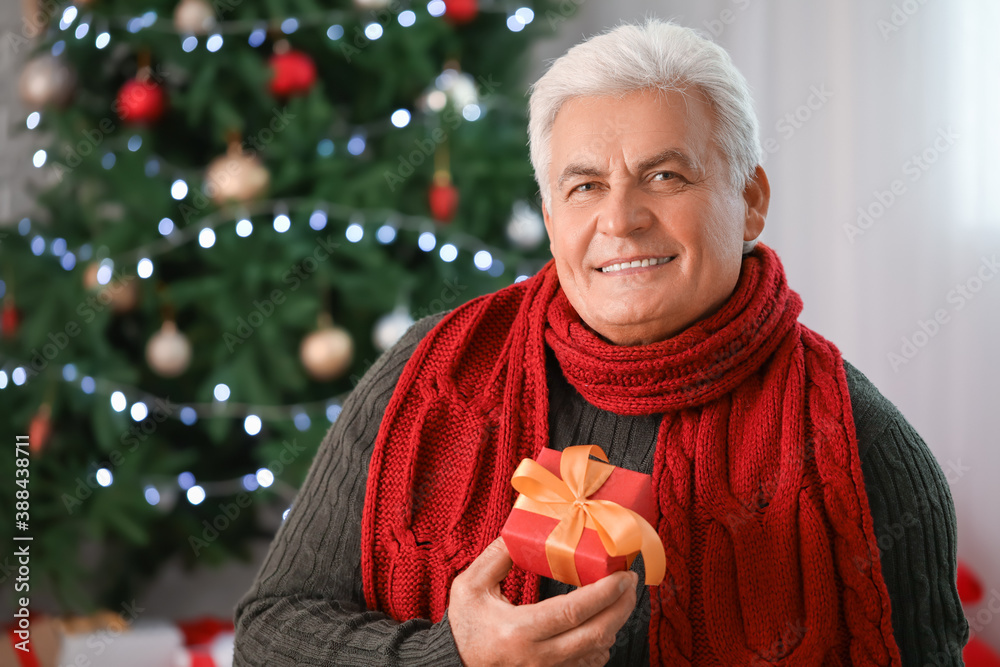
[(771, 554)]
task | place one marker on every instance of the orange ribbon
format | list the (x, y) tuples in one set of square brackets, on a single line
[(622, 531)]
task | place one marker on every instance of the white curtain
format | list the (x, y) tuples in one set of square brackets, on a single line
[(881, 125)]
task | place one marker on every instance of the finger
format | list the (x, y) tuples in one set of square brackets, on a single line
[(554, 616), (490, 567), (598, 633)]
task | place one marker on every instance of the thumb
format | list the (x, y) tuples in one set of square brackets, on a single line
[(491, 566)]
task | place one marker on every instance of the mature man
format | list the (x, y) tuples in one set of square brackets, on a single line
[(663, 333)]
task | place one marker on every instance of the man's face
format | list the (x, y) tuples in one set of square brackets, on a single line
[(640, 178)]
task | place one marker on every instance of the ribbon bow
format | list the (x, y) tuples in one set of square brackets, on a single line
[(622, 531)]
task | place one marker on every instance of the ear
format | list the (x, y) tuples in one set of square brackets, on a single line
[(757, 195)]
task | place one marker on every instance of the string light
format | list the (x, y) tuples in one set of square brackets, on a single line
[(426, 241), (196, 495), (436, 8), (139, 411), (331, 19), (179, 189), (265, 477), (252, 424), (69, 15), (282, 223), (354, 232)]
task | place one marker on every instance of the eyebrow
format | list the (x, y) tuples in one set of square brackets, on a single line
[(668, 155)]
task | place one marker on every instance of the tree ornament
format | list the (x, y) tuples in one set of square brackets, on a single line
[(292, 72), (10, 318), (460, 11), (120, 294), (236, 176), (375, 5), (40, 429), (451, 85), (47, 80), (443, 197), (141, 100), (391, 327), (168, 351), (194, 17), (327, 352), (526, 228)]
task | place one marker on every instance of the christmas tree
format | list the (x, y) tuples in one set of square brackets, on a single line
[(245, 202)]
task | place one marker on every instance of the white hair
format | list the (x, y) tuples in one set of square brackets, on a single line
[(658, 55)]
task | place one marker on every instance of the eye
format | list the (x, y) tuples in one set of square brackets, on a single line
[(580, 187), (667, 175)]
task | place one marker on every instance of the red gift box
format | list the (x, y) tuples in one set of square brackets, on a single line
[(588, 518)]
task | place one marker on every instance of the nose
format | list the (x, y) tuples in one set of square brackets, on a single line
[(623, 213)]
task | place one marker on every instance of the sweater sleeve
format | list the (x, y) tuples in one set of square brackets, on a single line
[(915, 527), (306, 606)]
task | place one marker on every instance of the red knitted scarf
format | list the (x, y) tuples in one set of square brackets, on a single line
[(771, 554)]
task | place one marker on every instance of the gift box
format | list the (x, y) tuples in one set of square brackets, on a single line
[(577, 520)]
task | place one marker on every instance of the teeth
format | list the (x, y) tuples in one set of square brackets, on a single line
[(635, 264)]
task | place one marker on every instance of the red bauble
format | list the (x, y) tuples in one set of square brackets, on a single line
[(40, 429), (460, 11), (10, 319), (443, 198), (141, 101), (294, 73)]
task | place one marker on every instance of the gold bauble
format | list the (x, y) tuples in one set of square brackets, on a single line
[(327, 353), (194, 17), (46, 80), (236, 177), (121, 293)]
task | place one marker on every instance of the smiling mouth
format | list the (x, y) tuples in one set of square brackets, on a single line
[(636, 264)]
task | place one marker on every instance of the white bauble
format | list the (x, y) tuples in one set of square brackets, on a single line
[(168, 352), (526, 228), (391, 327)]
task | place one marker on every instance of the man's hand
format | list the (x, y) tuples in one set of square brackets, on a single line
[(574, 629)]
